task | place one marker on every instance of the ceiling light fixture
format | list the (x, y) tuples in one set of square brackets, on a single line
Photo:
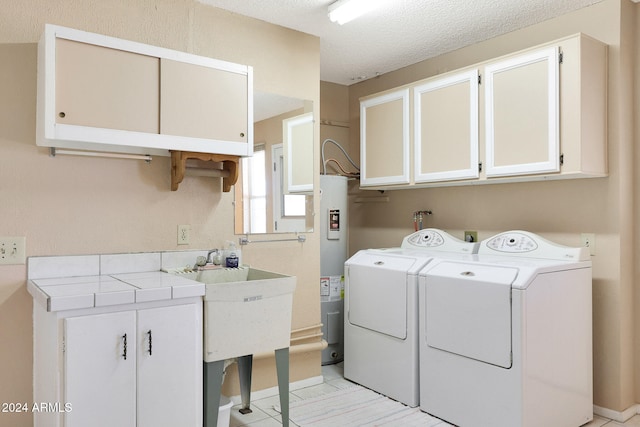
[(343, 11)]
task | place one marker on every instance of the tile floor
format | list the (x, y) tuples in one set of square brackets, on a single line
[(264, 414)]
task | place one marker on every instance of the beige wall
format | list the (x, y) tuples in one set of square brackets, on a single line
[(334, 125), (71, 205), (558, 210)]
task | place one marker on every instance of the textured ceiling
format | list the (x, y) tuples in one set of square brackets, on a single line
[(399, 32)]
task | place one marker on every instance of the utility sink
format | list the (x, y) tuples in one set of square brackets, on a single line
[(246, 311)]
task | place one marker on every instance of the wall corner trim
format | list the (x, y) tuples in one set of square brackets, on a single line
[(619, 416)]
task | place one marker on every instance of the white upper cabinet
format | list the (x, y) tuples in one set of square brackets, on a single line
[(106, 94), (203, 102), (446, 128), (384, 139), (538, 114), (105, 88), (297, 135), (521, 114)]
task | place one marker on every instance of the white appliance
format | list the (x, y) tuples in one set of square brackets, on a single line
[(505, 340), (381, 312)]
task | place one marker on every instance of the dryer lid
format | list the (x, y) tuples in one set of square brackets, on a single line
[(380, 289), (408, 263)]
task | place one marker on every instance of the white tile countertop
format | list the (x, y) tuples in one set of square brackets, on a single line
[(86, 281)]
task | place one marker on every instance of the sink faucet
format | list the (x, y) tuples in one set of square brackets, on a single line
[(202, 261), (212, 251)]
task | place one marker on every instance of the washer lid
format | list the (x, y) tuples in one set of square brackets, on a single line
[(468, 310), (379, 289)]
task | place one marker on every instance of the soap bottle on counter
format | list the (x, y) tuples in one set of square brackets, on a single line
[(232, 260), (232, 256)]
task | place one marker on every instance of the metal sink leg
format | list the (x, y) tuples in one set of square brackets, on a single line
[(245, 364), (212, 372), (282, 366)]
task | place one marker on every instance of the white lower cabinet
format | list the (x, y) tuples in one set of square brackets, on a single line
[(168, 376), (134, 367), (100, 369)]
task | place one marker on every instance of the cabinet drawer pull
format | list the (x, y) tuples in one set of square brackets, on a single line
[(150, 342), (124, 341)]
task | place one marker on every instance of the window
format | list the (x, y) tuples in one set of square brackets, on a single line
[(288, 209), (255, 191)]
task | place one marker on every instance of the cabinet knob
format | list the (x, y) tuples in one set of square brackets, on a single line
[(62, 114), (242, 134)]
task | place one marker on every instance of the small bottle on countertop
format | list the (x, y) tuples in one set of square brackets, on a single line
[(231, 249), (232, 260)]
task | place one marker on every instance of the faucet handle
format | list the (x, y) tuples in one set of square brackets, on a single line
[(212, 251), (201, 261)]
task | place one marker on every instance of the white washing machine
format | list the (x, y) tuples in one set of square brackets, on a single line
[(505, 340), (381, 312)]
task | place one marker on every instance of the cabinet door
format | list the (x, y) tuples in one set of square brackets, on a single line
[(99, 380), (384, 139), (101, 87), (203, 102), (446, 128), (169, 366), (522, 97), (297, 133)]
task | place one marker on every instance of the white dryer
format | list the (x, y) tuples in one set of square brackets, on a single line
[(381, 312), (505, 340)]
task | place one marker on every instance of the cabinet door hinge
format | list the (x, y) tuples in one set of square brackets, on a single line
[(561, 159), (274, 166), (480, 167), (479, 79), (560, 57)]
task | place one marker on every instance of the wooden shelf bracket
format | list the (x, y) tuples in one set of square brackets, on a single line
[(179, 165)]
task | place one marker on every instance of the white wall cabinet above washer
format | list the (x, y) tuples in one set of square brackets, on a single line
[(537, 114), (522, 115), (385, 139), (106, 94), (446, 128)]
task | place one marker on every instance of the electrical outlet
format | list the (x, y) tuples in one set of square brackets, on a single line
[(471, 236), (589, 241), (12, 250), (183, 234)]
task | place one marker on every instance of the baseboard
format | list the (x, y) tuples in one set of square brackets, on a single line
[(620, 417), (274, 391)]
